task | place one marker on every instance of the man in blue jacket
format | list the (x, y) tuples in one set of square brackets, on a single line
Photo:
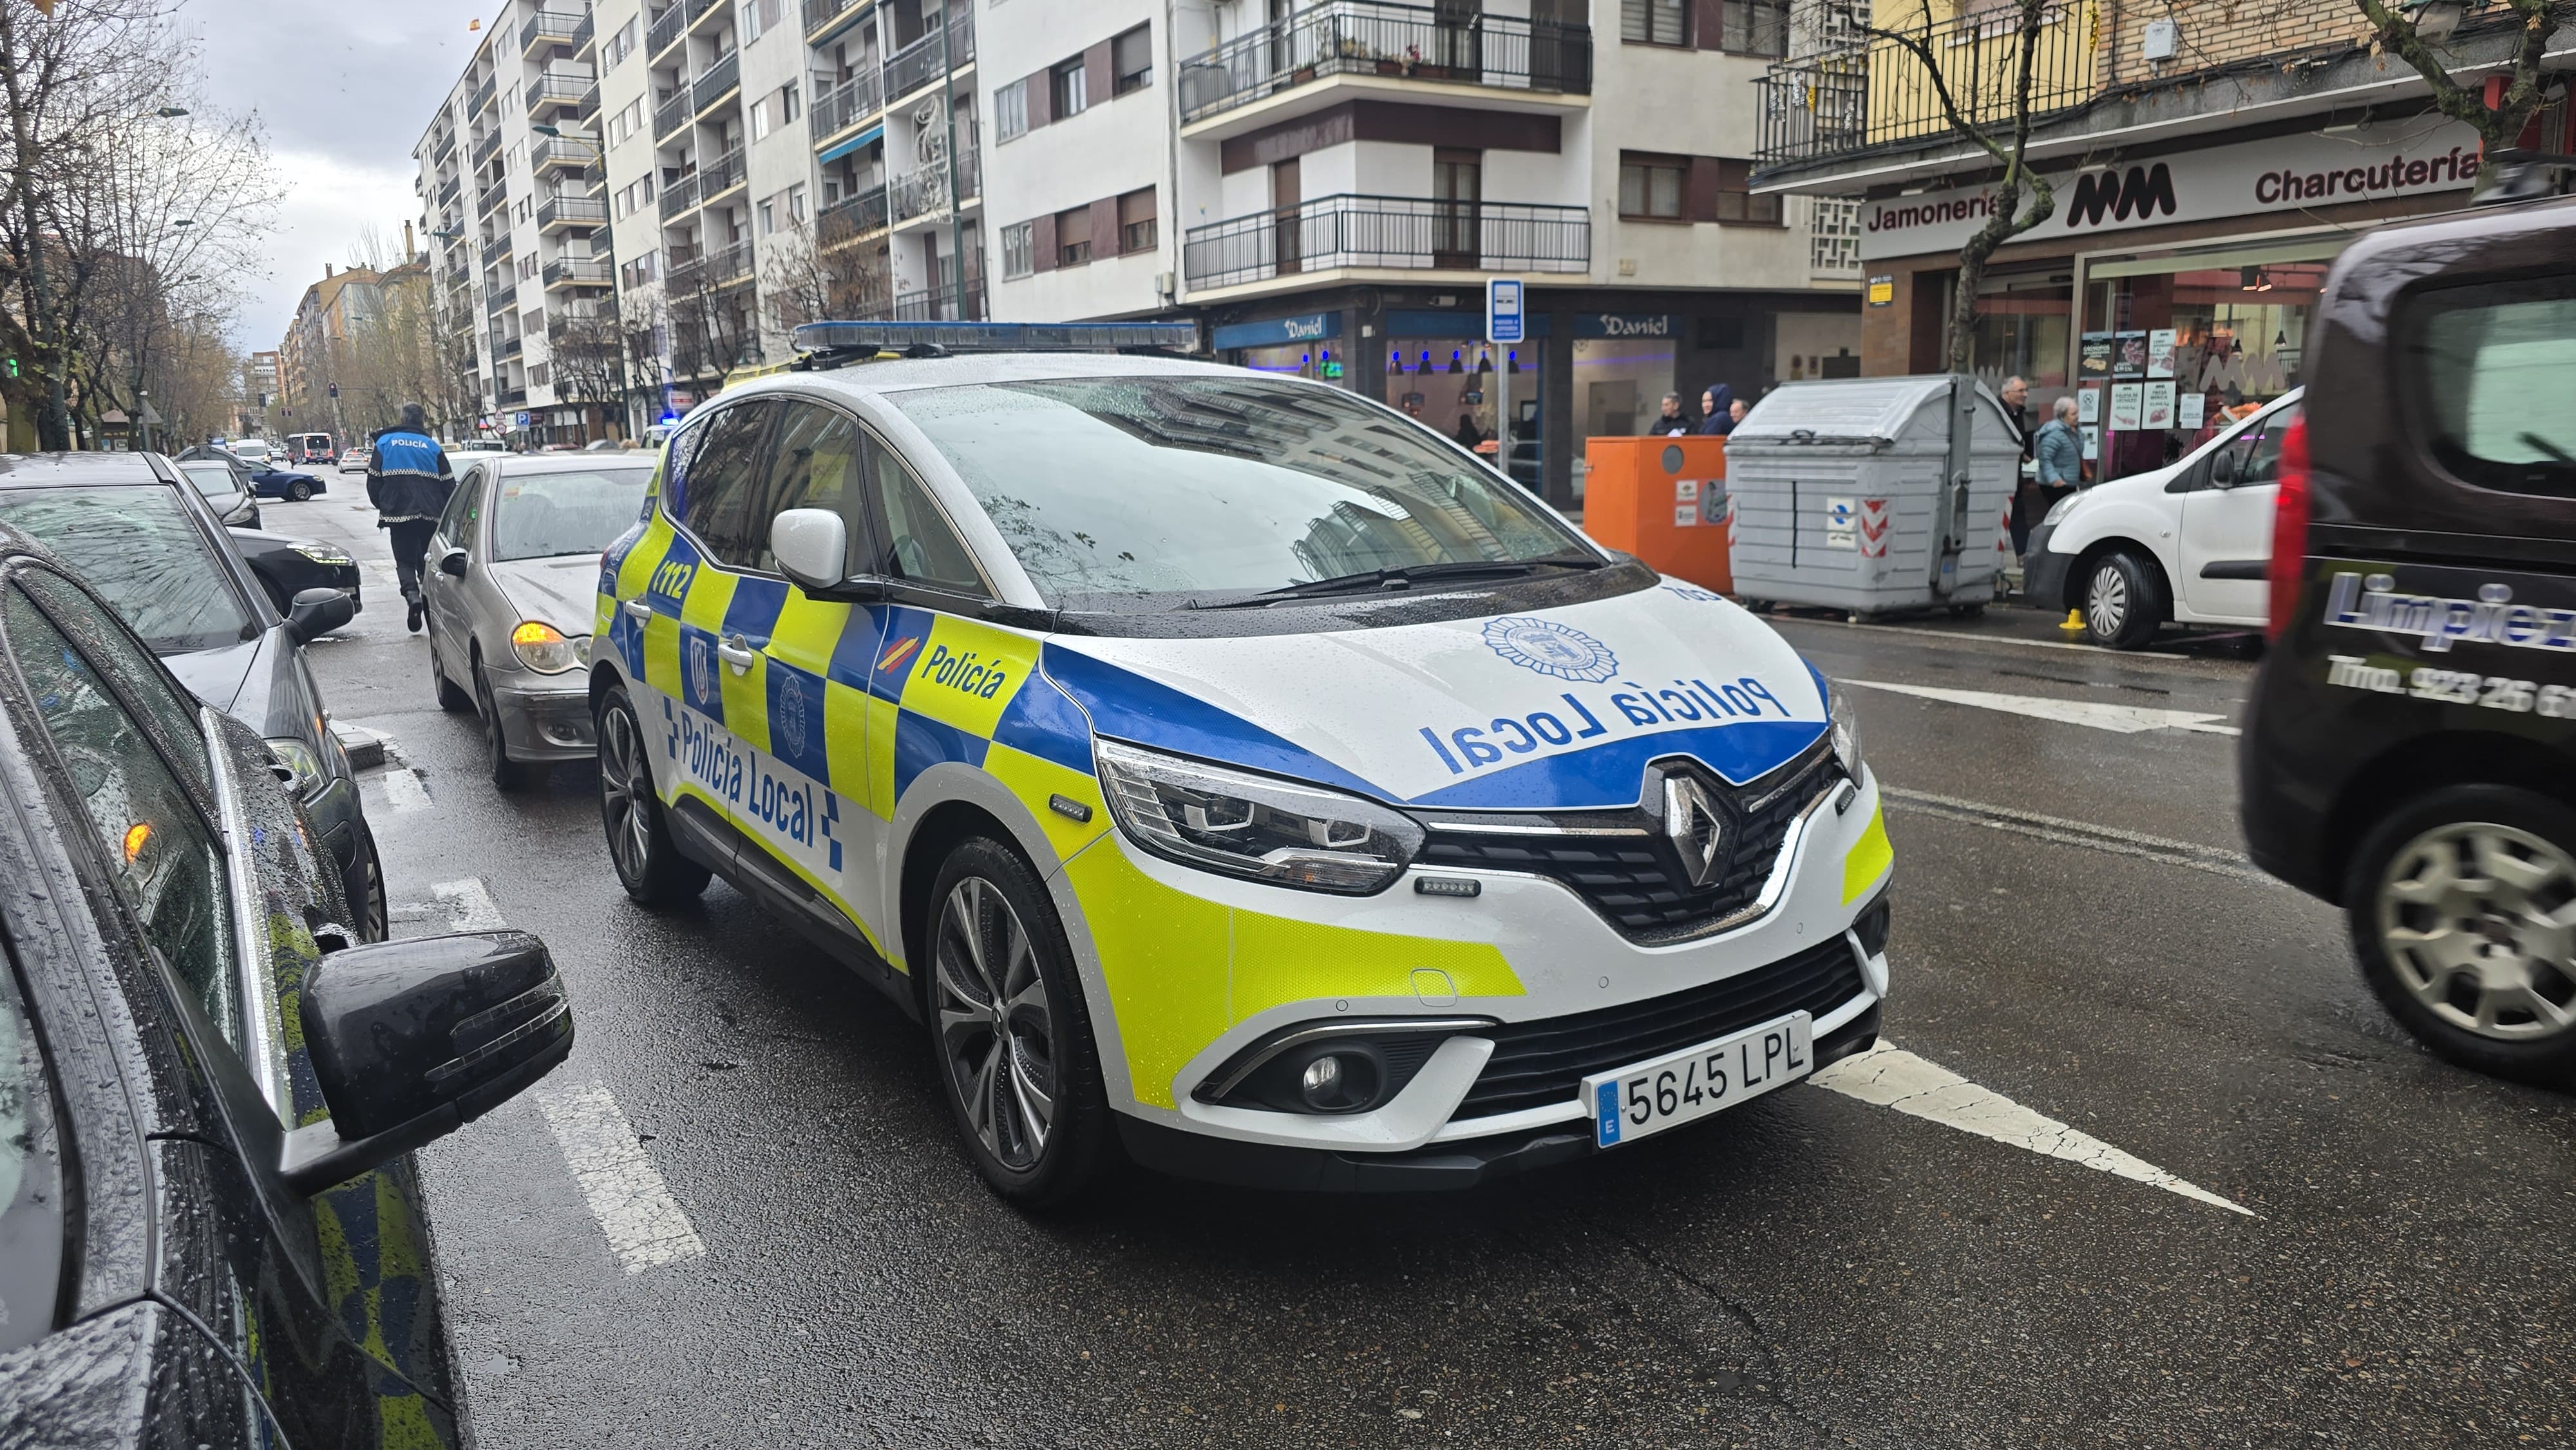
[(408, 481)]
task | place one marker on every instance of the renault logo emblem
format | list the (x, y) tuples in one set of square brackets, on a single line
[(1698, 832)]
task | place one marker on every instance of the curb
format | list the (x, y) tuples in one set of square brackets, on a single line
[(365, 748)]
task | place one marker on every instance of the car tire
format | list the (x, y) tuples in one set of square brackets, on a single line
[(510, 777), (451, 699), (648, 861), (2123, 600), (2410, 906), (1022, 1082), (299, 492), (366, 889)]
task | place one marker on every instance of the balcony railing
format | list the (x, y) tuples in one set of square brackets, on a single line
[(495, 249), (851, 217), (715, 83), (924, 192), (940, 304), (491, 198), (557, 88), (503, 298), (720, 176), (571, 211), (721, 267), (442, 148), (1394, 233), (511, 397), (670, 115), (844, 104), (918, 64), (484, 149), (449, 191), (1872, 92), (1365, 37), (548, 151), (675, 22), (577, 272), (483, 95), (552, 27), (506, 346), (820, 13), (679, 196)]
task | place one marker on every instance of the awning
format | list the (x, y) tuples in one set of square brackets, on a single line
[(853, 144)]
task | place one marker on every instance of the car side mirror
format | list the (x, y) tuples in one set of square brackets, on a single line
[(812, 547), (318, 611), (452, 563), (411, 1040), (2222, 468)]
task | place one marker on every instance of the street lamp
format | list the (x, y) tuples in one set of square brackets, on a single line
[(167, 113)]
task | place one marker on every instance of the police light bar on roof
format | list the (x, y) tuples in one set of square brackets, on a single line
[(847, 338)]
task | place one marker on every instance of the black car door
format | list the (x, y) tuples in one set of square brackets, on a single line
[(323, 1303)]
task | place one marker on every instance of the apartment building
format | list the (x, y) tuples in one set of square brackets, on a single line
[(329, 313), (2207, 166)]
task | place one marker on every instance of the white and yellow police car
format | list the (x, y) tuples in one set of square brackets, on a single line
[(1228, 769)]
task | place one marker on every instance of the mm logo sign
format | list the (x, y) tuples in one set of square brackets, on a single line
[(2139, 192)]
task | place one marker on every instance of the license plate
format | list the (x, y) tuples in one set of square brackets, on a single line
[(1697, 1081)]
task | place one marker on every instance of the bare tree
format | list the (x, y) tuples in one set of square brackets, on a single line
[(2005, 137), (2499, 125)]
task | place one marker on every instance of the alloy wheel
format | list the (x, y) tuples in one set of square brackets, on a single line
[(623, 788), (2106, 603), (996, 1035), (2479, 921)]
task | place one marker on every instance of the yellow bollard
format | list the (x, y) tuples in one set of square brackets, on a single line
[(2074, 622)]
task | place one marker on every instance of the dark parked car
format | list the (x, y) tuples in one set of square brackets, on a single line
[(211, 1229), (2410, 750), (262, 479), (145, 540), (227, 490), (287, 566)]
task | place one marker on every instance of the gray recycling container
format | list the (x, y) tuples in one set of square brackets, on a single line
[(1873, 495)]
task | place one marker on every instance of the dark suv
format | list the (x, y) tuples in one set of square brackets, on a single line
[(2410, 750)]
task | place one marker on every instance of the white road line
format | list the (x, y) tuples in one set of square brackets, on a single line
[(2213, 859), (403, 791), (1892, 1077), (2100, 715), (469, 905), (1954, 635), (644, 1224)]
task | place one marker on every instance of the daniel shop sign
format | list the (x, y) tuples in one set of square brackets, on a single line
[(2284, 176)]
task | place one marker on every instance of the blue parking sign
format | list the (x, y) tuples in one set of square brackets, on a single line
[(1503, 313)]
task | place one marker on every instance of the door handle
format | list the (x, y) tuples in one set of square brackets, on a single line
[(637, 610), (738, 653)]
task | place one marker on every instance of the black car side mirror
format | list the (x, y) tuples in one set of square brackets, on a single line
[(318, 611), (452, 563), (412, 1040)]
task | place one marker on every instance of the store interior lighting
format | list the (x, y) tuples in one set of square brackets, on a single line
[(1457, 362)]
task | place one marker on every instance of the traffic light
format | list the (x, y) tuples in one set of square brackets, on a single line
[(13, 367)]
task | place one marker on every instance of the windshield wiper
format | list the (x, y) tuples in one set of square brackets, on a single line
[(1404, 576)]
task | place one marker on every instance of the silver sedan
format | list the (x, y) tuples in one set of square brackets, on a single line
[(511, 588)]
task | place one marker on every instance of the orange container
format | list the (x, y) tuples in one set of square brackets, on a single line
[(1663, 500)]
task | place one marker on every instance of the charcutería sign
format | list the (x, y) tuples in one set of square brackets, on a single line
[(2283, 174)]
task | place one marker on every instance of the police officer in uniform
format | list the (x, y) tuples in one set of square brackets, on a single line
[(408, 481)]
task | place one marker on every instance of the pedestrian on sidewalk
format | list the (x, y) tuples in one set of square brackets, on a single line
[(408, 481), (2058, 447), (1719, 416), (1675, 420), (2016, 400)]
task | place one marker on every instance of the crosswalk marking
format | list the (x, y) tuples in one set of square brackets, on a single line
[(403, 790), (644, 1224), (1892, 1077), (469, 905)]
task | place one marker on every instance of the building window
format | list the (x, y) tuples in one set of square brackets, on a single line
[(768, 217), (1131, 60), (1654, 22), (791, 104), (1136, 223), (760, 120), (1019, 249), (1650, 187), (1735, 199), (537, 375), (1756, 27), (1011, 110), (1073, 237), (621, 44), (1068, 90), (796, 203)]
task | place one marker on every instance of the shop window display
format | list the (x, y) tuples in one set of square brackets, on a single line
[(2168, 359)]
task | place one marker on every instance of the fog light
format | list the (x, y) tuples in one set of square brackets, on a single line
[(1322, 1082)]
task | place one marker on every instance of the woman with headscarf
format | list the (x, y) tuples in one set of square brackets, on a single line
[(1717, 417)]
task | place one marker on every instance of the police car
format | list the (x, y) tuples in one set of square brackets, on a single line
[(1227, 769)]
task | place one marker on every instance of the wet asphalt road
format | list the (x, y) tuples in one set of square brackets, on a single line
[(1808, 1269)]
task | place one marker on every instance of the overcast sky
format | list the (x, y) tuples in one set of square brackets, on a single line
[(345, 87)]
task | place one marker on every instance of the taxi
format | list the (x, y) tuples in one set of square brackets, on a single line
[(1226, 770)]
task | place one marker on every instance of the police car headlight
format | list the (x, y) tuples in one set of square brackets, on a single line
[(1846, 732), (542, 647), (1252, 825)]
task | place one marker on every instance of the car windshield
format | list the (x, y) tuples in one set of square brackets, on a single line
[(136, 545), (213, 480), (1133, 488), (542, 515)]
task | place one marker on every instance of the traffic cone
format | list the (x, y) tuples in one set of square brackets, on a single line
[(2074, 622)]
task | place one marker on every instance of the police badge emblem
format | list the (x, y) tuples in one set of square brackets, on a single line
[(1551, 649)]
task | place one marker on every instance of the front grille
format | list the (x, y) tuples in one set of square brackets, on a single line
[(1637, 881), (1539, 1063)]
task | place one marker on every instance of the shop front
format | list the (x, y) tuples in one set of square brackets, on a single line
[(1306, 345), (2170, 295)]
